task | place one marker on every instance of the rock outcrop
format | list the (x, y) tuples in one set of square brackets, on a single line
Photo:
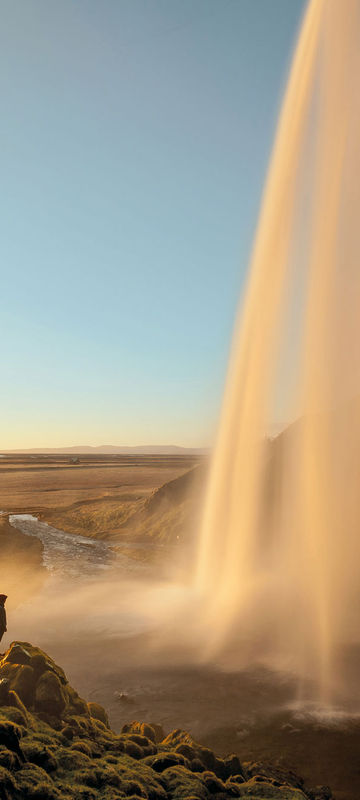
[(170, 515), (55, 746)]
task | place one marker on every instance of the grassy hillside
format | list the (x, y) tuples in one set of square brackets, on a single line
[(167, 516)]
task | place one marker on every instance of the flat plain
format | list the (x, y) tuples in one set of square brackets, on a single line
[(92, 495)]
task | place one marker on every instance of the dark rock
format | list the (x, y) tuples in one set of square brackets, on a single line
[(18, 654), (39, 663), (4, 691), (24, 684), (53, 722), (207, 757), (197, 765)]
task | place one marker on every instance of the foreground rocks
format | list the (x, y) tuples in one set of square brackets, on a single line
[(55, 746)]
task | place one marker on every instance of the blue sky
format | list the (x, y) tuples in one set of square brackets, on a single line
[(134, 139)]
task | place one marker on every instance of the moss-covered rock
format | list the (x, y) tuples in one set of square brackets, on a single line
[(98, 712), (23, 683), (49, 695), (152, 731), (7, 783), (163, 761), (55, 746)]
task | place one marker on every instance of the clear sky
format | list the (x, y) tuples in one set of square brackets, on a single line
[(134, 139)]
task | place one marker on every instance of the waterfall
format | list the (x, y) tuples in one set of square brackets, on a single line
[(278, 563)]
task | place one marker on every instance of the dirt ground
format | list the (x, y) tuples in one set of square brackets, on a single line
[(93, 497)]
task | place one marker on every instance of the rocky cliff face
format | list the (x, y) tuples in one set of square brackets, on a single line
[(55, 746)]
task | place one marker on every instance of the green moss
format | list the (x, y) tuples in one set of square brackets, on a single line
[(37, 753), (49, 694), (23, 683), (98, 712), (33, 782), (132, 749), (131, 788), (153, 784), (8, 759), (265, 790), (10, 713), (69, 760), (8, 782), (182, 784), (79, 724), (162, 761), (82, 746), (213, 784), (151, 731), (84, 793), (15, 702)]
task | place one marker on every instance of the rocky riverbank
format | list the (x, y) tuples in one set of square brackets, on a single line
[(55, 746)]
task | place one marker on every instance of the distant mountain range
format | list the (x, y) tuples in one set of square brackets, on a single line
[(108, 449)]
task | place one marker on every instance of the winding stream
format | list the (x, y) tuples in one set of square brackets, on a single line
[(64, 552)]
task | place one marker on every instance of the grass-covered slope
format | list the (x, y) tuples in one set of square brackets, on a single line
[(55, 746)]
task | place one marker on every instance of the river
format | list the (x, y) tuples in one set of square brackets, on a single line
[(66, 553)]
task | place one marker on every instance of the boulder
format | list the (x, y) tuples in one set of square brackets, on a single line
[(49, 695), (23, 684), (98, 712), (18, 654)]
